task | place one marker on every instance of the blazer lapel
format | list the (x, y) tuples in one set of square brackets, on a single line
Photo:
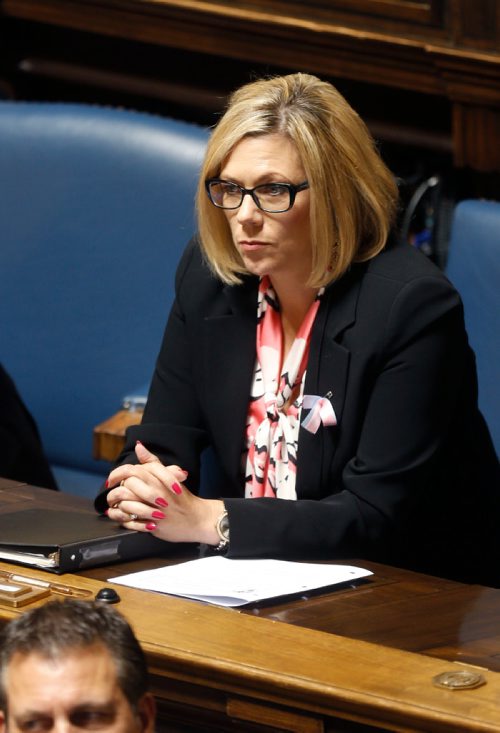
[(327, 373)]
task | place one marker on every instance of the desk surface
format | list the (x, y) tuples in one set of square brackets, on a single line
[(394, 608), (359, 655)]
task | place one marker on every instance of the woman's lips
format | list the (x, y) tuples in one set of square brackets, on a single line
[(252, 245)]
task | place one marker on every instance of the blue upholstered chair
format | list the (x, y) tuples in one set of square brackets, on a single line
[(473, 266), (96, 205)]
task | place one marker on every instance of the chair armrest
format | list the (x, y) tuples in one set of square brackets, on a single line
[(109, 436)]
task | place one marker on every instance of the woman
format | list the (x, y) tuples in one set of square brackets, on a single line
[(326, 365)]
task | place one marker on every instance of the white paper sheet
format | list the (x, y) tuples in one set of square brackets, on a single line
[(226, 582)]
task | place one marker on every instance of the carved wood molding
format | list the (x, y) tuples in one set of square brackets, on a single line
[(286, 40), (333, 39)]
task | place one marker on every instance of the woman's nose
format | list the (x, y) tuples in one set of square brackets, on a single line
[(248, 211)]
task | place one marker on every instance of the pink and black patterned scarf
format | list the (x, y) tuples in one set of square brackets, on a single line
[(275, 401)]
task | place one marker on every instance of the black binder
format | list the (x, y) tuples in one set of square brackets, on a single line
[(62, 533)]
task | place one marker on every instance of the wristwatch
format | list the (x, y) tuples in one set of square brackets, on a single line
[(222, 528)]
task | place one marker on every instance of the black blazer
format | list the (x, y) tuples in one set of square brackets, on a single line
[(21, 455), (408, 476)]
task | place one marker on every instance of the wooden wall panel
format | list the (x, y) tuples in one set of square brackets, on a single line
[(443, 49)]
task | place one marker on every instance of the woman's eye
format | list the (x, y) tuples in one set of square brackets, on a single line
[(231, 190), (272, 189)]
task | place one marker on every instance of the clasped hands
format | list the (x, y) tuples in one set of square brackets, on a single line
[(151, 497)]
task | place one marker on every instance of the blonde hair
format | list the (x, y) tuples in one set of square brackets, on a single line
[(353, 193)]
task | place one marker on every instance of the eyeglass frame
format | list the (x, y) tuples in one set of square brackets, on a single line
[(293, 190)]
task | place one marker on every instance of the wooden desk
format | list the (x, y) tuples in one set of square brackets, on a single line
[(357, 659)]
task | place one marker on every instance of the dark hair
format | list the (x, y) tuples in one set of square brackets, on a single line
[(58, 626)]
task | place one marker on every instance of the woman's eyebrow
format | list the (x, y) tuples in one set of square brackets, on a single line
[(264, 177)]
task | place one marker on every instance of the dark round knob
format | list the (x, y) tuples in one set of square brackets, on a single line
[(107, 595)]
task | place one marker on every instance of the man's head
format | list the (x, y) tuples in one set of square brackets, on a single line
[(73, 664)]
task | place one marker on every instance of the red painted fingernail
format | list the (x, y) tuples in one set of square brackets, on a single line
[(160, 501), (106, 484), (106, 512), (138, 442), (158, 515), (176, 488), (150, 526)]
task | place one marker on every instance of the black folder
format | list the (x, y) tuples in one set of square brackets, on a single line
[(62, 533)]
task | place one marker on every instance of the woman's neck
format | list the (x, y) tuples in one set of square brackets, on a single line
[(294, 300), (294, 304)]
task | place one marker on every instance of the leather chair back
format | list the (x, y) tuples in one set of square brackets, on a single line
[(473, 266), (96, 205)]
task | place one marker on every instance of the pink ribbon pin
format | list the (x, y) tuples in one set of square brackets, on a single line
[(321, 411)]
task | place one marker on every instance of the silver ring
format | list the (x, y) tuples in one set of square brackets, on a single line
[(133, 517)]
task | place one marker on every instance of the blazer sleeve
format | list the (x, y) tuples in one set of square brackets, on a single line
[(406, 385), (172, 425)]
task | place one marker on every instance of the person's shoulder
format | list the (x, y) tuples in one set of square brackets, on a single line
[(403, 263), (402, 285), (194, 271), (200, 290), (192, 260)]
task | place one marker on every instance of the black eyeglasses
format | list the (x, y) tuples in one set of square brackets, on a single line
[(275, 198)]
